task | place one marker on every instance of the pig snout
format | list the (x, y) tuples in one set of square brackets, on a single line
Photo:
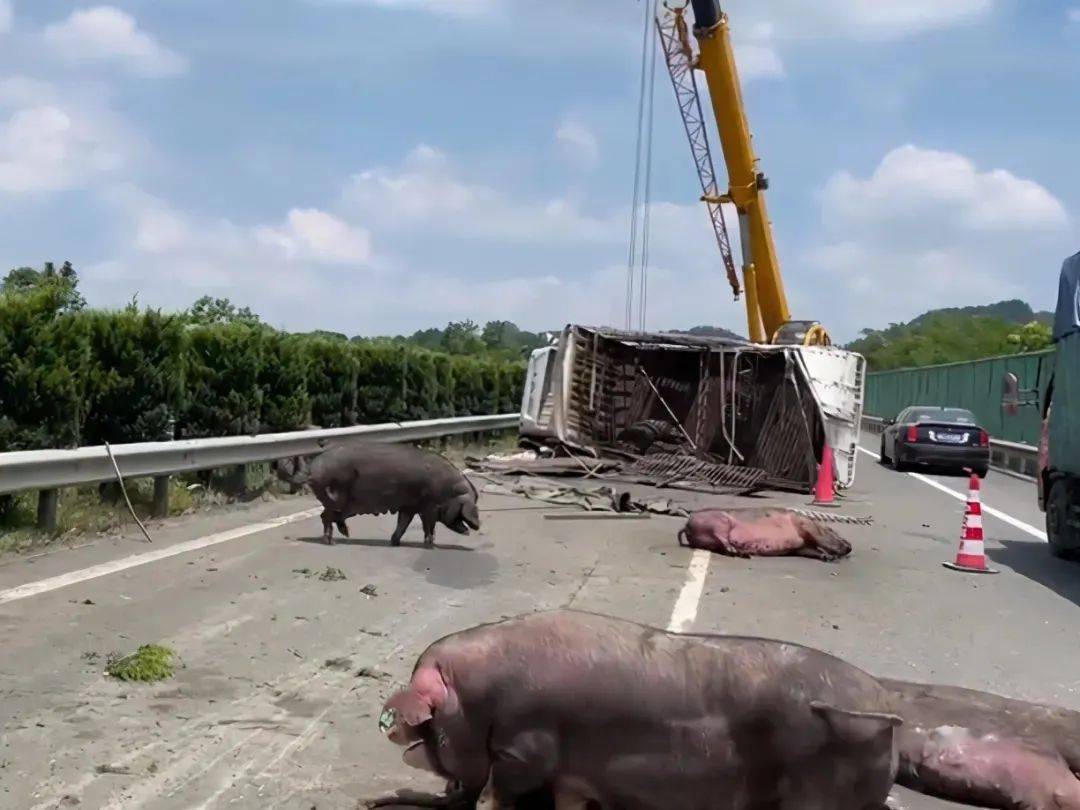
[(461, 514)]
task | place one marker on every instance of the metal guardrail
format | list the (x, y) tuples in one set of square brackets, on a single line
[(49, 470), (1022, 459)]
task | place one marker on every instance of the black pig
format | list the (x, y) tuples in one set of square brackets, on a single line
[(373, 478)]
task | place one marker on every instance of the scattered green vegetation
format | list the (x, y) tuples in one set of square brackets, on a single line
[(151, 662), (953, 335), (331, 574)]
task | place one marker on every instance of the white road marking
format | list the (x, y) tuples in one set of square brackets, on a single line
[(962, 496), (686, 606), (114, 566)]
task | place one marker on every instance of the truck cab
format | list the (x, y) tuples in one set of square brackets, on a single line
[(1059, 444)]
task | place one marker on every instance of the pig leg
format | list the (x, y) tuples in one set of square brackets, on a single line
[(450, 801), (521, 765), (328, 526), (428, 518), (404, 518)]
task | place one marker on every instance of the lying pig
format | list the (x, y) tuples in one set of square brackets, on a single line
[(371, 478), (990, 751), (606, 713), (762, 532)]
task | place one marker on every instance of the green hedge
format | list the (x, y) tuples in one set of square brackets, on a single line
[(76, 378)]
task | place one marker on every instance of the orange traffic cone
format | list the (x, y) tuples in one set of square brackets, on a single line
[(824, 494), (971, 556)]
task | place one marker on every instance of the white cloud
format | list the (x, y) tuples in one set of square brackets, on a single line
[(5, 16), (457, 8), (755, 52), (1073, 14), (577, 143), (912, 184), (928, 229), (857, 19), (24, 91), (313, 235), (290, 271), (48, 148), (107, 34), (427, 190), (316, 268)]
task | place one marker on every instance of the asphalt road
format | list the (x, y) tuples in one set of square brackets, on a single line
[(276, 702)]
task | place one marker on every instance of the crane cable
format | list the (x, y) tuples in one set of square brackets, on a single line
[(644, 138), (643, 284)]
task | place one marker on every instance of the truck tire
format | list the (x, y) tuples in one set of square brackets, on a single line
[(1064, 538)]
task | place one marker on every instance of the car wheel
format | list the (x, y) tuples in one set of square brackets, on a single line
[(1063, 537), (895, 461), (982, 471), (881, 456)]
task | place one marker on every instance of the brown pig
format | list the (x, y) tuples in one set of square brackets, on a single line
[(983, 749), (762, 532), (606, 713)]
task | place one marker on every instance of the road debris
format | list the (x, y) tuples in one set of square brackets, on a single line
[(151, 662), (332, 574), (337, 663), (368, 672), (591, 499), (114, 769), (370, 590)]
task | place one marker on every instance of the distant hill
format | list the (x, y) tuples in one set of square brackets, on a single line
[(955, 334), (1012, 311)]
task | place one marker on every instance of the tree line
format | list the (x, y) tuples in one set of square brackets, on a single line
[(72, 375), (949, 336)]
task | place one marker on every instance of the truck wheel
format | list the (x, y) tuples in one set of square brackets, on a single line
[(1063, 537)]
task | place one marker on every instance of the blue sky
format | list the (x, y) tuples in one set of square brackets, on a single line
[(378, 166)]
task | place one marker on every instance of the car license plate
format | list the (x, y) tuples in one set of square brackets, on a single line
[(950, 438)]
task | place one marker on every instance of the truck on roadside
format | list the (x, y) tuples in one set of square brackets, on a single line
[(1059, 445)]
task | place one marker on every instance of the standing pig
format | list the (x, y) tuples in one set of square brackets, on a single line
[(762, 533), (602, 712), (372, 478)]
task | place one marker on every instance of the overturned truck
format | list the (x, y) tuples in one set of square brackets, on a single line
[(663, 401)]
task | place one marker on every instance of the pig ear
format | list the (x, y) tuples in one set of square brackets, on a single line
[(855, 726), (413, 709)]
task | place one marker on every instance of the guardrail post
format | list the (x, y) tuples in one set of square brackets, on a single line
[(48, 501), (236, 481), (160, 508)]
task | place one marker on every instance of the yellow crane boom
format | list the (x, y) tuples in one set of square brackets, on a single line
[(768, 316)]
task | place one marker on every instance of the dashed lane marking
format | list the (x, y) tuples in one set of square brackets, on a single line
[(961, 496)]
